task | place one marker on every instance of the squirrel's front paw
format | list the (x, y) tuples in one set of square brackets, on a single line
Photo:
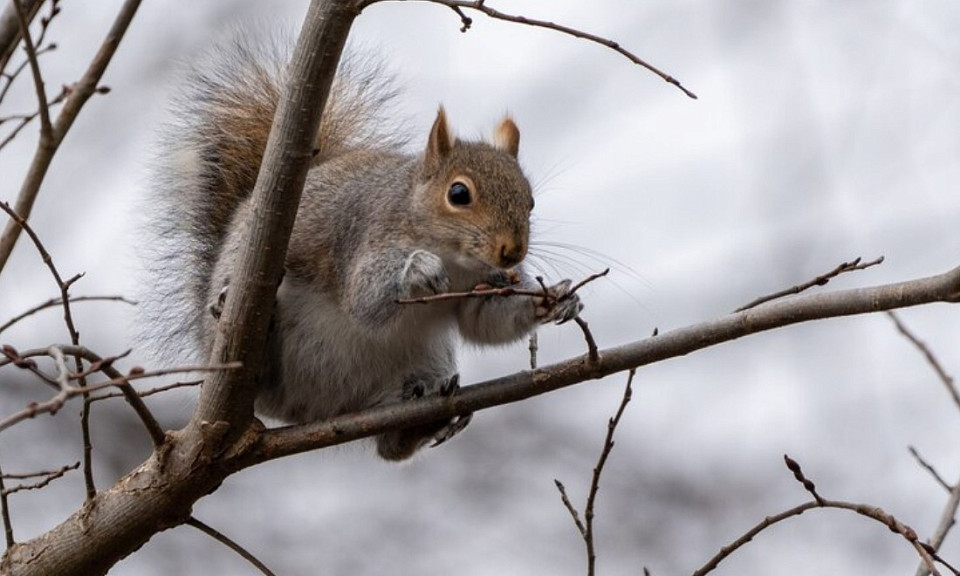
[(558, 305), (423, 275)]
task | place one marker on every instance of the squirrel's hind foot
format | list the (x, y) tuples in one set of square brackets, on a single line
[(402, 444)]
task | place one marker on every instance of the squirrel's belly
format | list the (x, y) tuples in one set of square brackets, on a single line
[(327, 365)]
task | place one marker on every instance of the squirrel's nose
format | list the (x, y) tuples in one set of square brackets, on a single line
[(511, 253)]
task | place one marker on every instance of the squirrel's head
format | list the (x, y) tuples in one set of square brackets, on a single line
[(479, 194)]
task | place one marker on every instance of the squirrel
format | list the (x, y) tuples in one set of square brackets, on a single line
[(375, 225)]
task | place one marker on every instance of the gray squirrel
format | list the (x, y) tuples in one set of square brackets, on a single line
[(375, 225)]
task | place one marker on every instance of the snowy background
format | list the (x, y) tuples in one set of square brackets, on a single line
[(824, 131)]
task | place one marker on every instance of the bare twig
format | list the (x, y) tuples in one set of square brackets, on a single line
[(46, 129), (28, 118), (64, 287), (506, 292), (482, 293), (223, 539), (929, 468), (947, 521), (593, 355), (54, 302), (12, 76), (821, 280), (586, 527), (480, 6), (12, 356), (117, 379), (149, 392), (808, 485), (570, 508), (533, 345), (47, 478), (47, 147), (5, 513), (928, 555), (929, 356), (10, 27)]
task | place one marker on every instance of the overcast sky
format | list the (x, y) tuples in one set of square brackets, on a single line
[(823, 131)]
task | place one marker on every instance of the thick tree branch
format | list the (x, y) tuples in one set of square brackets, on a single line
[(242, 333), (279, 442)]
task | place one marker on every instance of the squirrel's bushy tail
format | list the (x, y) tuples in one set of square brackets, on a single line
[(208, 158)]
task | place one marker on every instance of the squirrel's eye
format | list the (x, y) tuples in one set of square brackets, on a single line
[(459, 194)]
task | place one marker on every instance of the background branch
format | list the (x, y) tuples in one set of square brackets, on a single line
[(927, 556), (47, 147), (10, 27), (481, 6)]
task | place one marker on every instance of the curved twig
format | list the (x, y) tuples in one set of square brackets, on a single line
[(226, 541), (480, 6)]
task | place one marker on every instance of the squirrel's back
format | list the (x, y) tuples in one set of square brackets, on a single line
[(208, 158)]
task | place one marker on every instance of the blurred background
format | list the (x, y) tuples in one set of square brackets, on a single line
[(823, 131)]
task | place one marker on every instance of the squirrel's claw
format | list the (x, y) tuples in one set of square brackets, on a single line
[(452, 429), (559, 304), (216, 307), (457, 423)]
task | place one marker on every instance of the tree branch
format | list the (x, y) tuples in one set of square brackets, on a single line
[(228, 397), (928, 556), (480, 6), (280, 442)]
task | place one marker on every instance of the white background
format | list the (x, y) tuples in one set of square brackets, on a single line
[(824, 131)]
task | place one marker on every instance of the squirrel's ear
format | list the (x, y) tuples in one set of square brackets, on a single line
[(506, 137), (440, 143)]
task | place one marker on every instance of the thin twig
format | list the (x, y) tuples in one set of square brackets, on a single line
[(46, 128), (64, 287), (5, 513), (119, 380), (930, 357), (150, 392), (226, 541), (533, 345), (10, 28), (929, 468), (506, 291), (821, 280), (593, 355), (570, 508), (48, 477), (480, 6), (27, 119), (41, 50), (927, 555), (54, 302), (808, 484), (482, 293), (11, 355), (586, 527), (947, 521)]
